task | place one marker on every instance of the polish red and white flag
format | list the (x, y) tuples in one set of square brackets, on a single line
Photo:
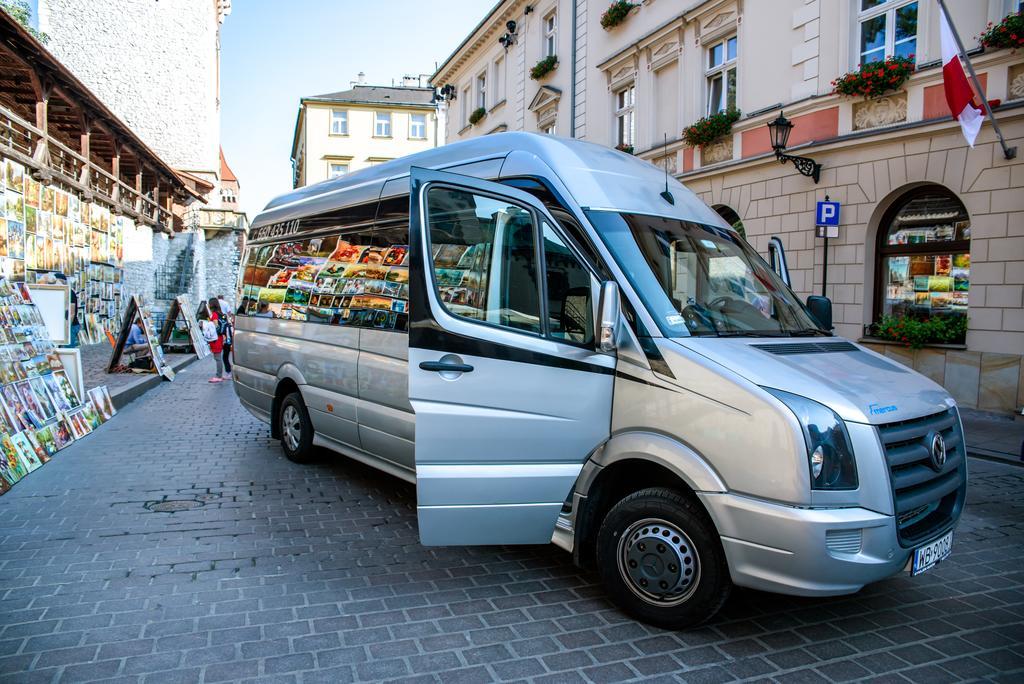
[(958, 90)]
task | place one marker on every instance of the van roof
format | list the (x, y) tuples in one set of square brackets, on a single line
[(596, 177)]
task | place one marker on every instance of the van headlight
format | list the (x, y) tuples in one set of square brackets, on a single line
[(829, 454)]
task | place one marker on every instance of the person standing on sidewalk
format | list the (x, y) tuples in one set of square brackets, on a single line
[(216, 343), (226, 327)]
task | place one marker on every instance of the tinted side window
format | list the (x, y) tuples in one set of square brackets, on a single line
[(485, 258), (570, 312)]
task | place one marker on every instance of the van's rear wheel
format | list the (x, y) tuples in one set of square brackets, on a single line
[(296, 429), (661, 559)]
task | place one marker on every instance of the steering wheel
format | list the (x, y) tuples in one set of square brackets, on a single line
[(719, 302)]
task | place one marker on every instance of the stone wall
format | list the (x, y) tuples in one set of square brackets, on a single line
[(221, 261), (153, 63)]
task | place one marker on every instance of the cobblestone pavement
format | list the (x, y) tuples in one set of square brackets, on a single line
[(314, 574)]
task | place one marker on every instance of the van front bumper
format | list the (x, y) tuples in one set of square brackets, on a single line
[(804, 551)]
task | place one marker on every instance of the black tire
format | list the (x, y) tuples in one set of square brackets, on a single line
[(686, 575), (296, 429)]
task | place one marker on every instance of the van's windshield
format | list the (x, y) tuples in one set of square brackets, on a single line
[(699, 280)]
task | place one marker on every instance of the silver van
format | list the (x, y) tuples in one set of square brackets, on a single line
[(557, 343)]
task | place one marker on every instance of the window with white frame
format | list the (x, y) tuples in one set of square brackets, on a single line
[(418, 126), (549, 129), (339, 122), (499, 79), (550, 33), (335, 169), (382, 124), (721, 75), (466, 101), (625, 119), (886, 28), (481, 90)]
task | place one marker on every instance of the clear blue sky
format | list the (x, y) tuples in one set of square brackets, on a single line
[(273, 53)]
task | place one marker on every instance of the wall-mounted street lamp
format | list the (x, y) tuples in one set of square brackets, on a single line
[(509, 39), (448, 92), (778, 131)]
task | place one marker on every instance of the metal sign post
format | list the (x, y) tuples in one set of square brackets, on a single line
[(826, 222)]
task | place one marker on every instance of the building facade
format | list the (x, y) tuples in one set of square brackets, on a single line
[(338, 133), (158, 68), (930, 227)]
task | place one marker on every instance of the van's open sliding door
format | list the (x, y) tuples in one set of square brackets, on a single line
[(509, 393)]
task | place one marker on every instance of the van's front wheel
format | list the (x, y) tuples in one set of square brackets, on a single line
[(296, 429), (661, 560)]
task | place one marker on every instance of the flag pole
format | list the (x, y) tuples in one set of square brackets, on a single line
[(1008, 152)]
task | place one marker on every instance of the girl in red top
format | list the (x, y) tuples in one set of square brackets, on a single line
[(217, 345)]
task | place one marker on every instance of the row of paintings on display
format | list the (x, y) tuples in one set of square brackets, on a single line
[(335, 281), (40, 411), (44, 230)]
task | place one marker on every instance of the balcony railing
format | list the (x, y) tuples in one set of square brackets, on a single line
[(19, 139)]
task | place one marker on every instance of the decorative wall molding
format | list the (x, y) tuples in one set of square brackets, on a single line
[(882, 111), (717, 151), (1015, 82)]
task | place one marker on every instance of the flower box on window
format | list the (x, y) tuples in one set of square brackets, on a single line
[(917, 332), (874, 79), (710, 128), (478, 114), (544, 67), (617, 13), (621, 147), (1009, 33)]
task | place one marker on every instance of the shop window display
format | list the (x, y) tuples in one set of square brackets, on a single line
[(924, 256)]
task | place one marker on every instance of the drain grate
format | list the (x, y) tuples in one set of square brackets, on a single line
[(173, 506)]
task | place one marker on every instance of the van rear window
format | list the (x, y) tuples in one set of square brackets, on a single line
[(346, 280)]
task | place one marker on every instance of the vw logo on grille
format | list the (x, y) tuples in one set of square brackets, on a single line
[(938, 451)]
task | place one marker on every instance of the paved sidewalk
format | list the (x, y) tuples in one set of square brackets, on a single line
[(992, 435), (289, 573), (123, 387)]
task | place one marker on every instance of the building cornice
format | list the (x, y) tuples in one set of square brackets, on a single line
[(492, 23), (1013, 110)]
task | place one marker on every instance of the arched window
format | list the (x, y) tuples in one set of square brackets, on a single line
[(731, 217), (924, 261)]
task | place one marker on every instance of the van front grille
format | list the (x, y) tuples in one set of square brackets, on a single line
[(806, 348), (927, 497)]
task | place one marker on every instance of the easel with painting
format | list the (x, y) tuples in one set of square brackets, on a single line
[(158, 362), (181, 306)]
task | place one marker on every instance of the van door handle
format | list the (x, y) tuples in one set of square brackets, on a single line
[(440, 366)]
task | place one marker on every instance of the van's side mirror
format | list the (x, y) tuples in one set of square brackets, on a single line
[(821, 308), (607, 316)]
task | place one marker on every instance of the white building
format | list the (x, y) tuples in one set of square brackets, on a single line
[(890, 160)]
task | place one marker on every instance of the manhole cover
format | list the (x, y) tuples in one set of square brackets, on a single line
[(173, 506)]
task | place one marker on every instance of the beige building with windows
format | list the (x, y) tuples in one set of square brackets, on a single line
[(929, 227), (338, 133)]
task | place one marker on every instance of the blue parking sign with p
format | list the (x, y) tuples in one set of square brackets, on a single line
[(827, 214)]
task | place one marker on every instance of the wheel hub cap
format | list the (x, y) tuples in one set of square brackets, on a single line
[(291, 427), (658, 562)]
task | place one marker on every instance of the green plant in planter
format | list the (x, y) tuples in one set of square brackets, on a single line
[(1009, 33), (544, 67), (478, 114), (874, 79), (623, 147), (617, 13), (710, 128), (917, 332)]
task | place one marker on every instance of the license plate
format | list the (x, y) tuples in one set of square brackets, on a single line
[(927, 556)]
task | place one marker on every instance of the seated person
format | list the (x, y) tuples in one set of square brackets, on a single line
[(264, 311), (137, 342)]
